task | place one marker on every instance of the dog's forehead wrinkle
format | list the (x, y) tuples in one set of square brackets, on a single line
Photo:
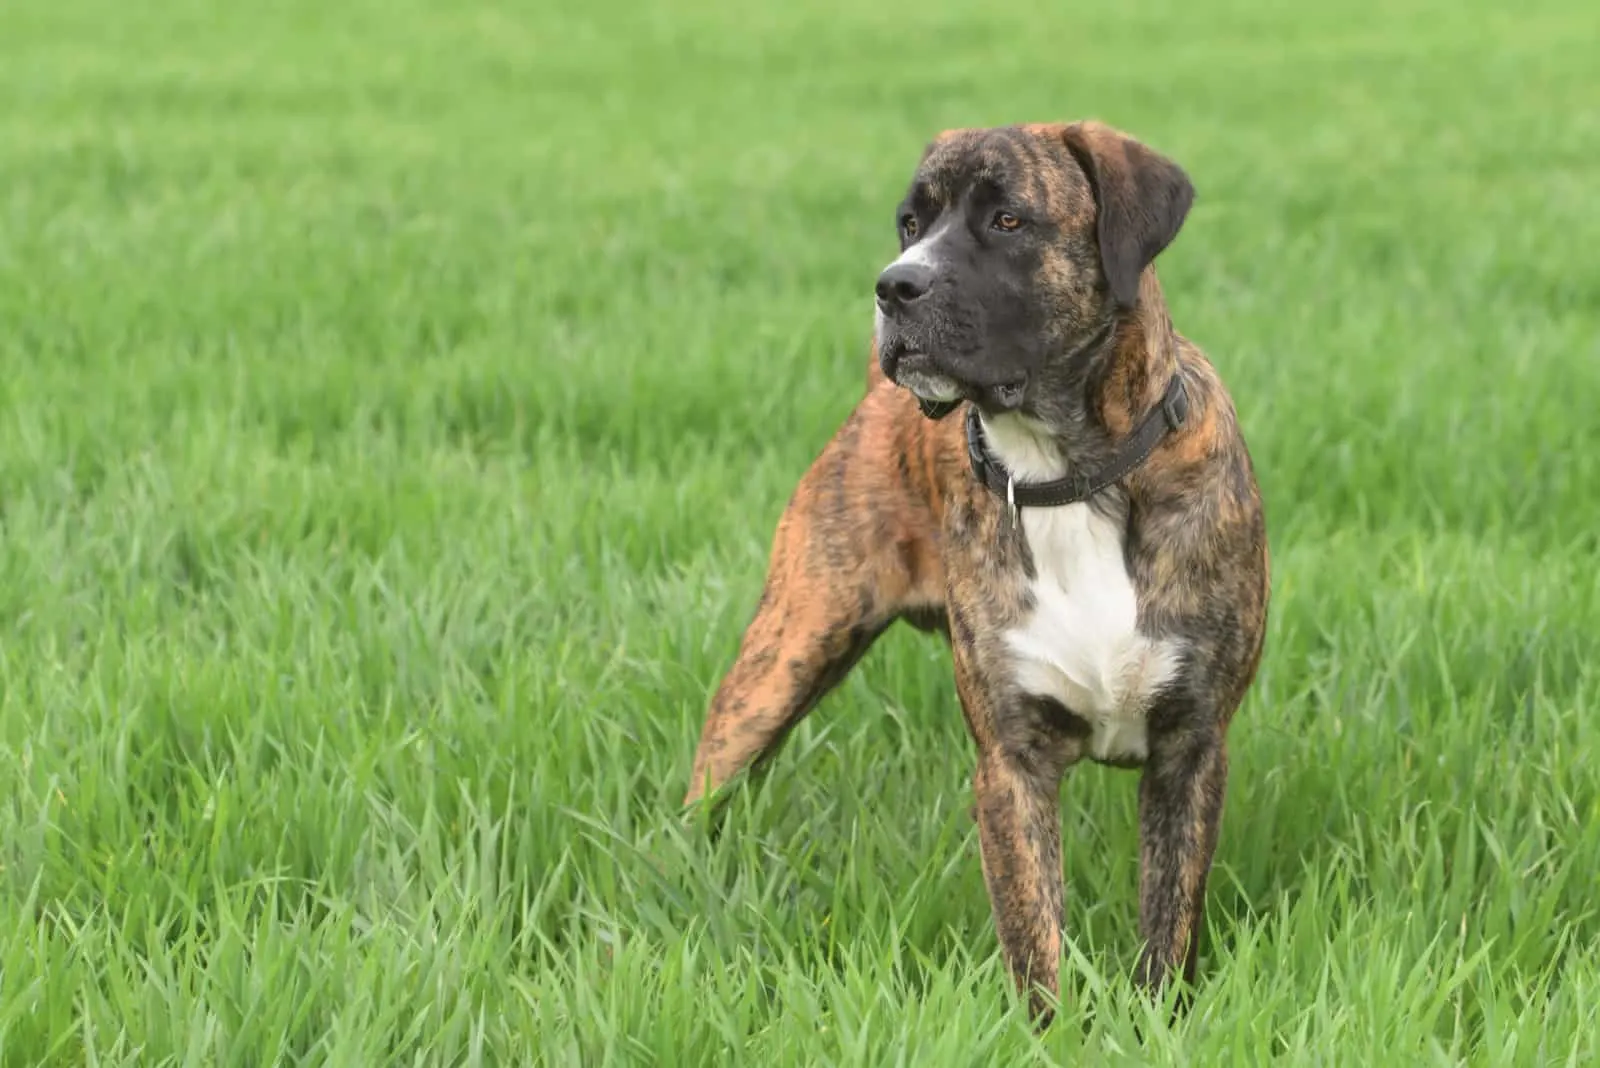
[(933, 186), (1004, 153), (998, 158), (1039, 188)]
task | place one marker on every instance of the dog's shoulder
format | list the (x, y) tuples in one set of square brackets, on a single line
[(1207, 458), (1201, 555)]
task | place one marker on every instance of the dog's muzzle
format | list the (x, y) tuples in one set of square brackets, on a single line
[(937, 394)]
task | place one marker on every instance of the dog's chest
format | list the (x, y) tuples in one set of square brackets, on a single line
[(1080, 643)]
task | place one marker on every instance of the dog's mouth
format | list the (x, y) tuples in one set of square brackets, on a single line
[(937, 395), (930, 386), (938, 392)]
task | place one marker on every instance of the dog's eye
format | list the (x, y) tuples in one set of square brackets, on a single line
[(1004, 220), (908, 223)]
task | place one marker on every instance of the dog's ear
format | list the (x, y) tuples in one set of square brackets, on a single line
[(1141, 199)]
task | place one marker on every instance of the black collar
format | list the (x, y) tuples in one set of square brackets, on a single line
[(1166, 416)]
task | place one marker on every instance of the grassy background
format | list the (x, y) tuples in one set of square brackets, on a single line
[(397, 400)]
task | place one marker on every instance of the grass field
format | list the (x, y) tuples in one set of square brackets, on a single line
[(397, 401)]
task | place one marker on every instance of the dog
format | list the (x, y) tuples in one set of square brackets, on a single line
[(1088, 535)]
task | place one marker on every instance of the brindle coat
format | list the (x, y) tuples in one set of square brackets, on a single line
[(889, 524)]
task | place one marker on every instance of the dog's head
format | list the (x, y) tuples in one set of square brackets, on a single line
[(1018, 245)]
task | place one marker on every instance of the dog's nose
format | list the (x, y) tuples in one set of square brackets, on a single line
[(902, 283)]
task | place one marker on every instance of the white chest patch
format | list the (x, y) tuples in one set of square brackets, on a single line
[(1081, 644)]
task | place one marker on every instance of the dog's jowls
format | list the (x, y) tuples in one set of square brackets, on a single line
[(1125, 628)]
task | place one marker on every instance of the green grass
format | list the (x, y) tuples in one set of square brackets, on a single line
[(397, 401)]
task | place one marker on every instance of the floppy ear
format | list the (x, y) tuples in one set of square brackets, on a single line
[(1141, 199)]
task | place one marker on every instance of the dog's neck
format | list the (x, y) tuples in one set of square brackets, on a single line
[(1083, 409)]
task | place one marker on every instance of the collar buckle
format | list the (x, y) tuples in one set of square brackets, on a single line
[(1175, 404)]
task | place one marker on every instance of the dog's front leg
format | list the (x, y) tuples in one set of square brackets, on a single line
[(1017, 789), (1180, 811), (1019, 838)]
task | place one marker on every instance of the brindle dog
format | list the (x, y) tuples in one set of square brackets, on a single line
[(1089, 536)]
